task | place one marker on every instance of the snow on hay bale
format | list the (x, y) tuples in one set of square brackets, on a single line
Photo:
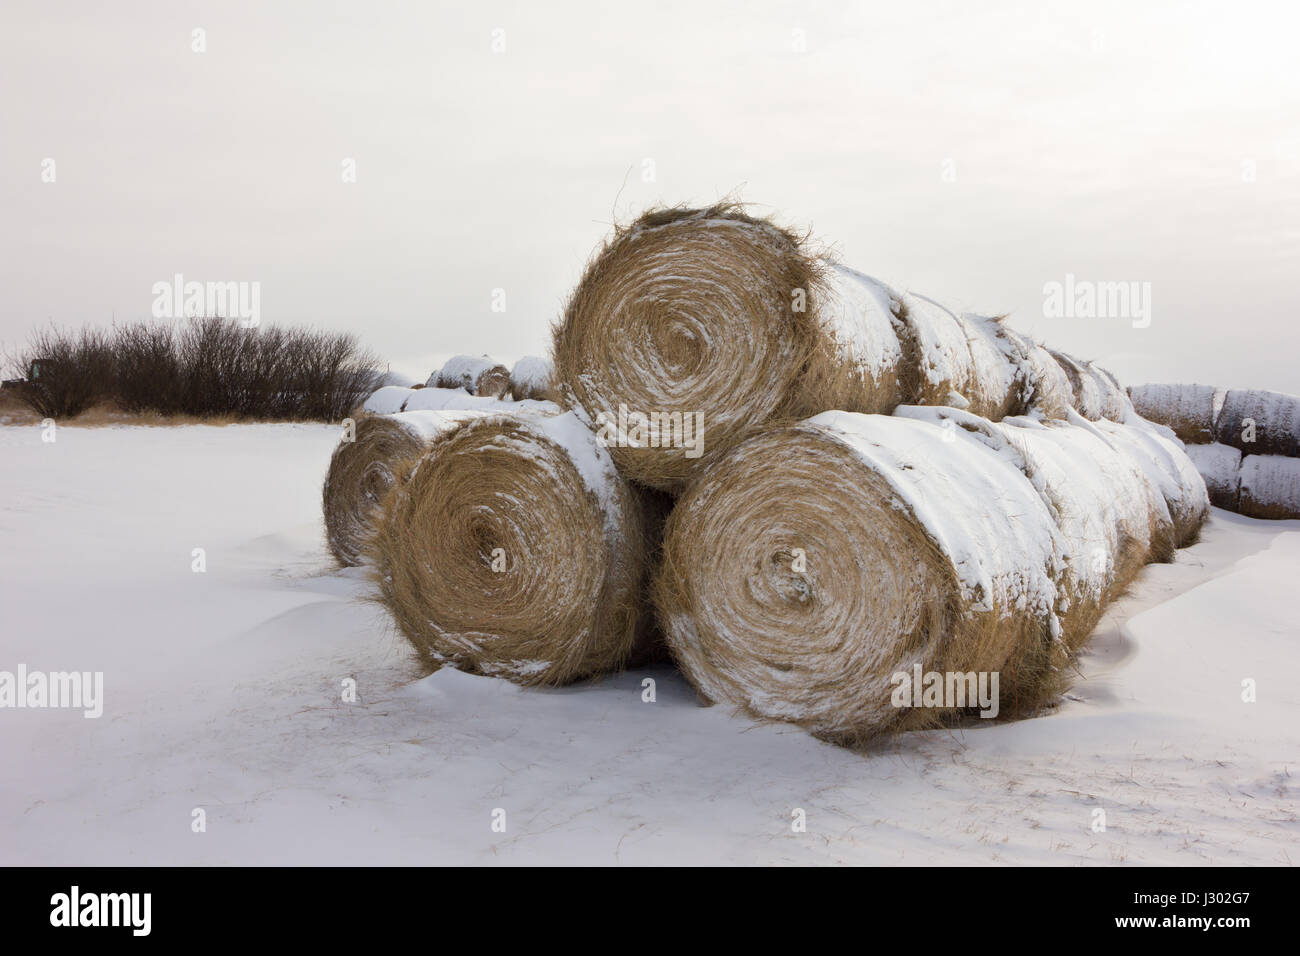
[(1220, 467), (516, 550), (1111, 515), (478, 375), (1044, 385), (445, 399), (1270, 486), (1166, 465), (1115, 404), (387, 400), (1097, 393), (938, 367), (996, 387), (1083, 386), (531, 378), (1187, 409), (364, 469), (815, 562), (1260, 422)]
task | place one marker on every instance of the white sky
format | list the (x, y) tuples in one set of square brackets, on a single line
[(1107, 140)]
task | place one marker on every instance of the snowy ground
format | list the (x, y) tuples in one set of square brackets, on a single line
[(223, 692)]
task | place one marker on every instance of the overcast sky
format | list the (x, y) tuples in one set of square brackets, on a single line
[(972, 152)]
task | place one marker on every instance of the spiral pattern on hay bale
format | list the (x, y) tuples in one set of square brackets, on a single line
[(365, 467), (515, 550)]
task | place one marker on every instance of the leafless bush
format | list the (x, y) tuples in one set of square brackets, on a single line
[(206, 367), (66, 370)]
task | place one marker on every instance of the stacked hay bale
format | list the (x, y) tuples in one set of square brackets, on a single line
[(1244, 442), (970, 504)]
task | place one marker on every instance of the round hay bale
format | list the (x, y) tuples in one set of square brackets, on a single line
[(1220, 467), (516, 550), (387, 400), (362, 472), (532, 378), (1187, 409), (717, 314), (476, 374), (814, 563), (1084, 386), (862, 319), (1111, 519), (1270, 486), (1045, 387), (937, 367), (998, 384), (1115, 404), (1260, 422), (1169, 469)]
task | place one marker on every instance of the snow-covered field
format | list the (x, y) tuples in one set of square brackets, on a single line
[(223, 691)]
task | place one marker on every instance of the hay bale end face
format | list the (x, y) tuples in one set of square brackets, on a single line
[(363, 471), (706, 312), (1270, 486), (515, 550), (1259, 422), (1187, 409), (478, 375)]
